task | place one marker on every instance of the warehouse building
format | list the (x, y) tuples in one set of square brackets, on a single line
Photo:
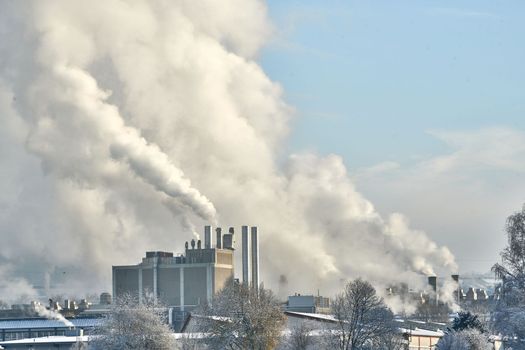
[(17, 329)]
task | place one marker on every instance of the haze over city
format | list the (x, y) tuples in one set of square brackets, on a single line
[(379, 141)]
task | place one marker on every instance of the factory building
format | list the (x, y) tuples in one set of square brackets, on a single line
[(181, 282)]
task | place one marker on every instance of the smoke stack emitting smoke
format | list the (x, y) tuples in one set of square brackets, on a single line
[(52, 315), (147, 111)]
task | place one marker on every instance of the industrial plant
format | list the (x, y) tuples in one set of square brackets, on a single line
[(185, 281)]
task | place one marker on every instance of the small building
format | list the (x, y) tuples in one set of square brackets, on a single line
[(482, 294), (472, 294), (47, 343), (17, 329), (422, 339), (308, 303)]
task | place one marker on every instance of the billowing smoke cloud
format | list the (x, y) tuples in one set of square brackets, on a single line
[(149, 117), (73, 90)]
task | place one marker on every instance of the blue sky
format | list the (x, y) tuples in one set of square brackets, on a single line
[(425, 102), (369, 79)]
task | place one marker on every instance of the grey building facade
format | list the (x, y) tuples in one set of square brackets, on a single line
[(181, 282), (308, 303)]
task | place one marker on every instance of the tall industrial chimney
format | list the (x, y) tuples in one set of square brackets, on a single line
[(457, 292), (432, 282), (245, 256), (207, 237), (218, 244), (227, 239), (255, 257)]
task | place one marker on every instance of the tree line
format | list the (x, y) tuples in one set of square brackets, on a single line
[(243, 317)]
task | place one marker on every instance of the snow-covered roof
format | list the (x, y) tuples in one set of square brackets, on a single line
[(47, 340), (44, 323), (215, 318), (320, 317), (422, 332)]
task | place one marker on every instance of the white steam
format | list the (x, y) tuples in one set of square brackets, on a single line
[(76, 90), (52, 315), (141, 111)]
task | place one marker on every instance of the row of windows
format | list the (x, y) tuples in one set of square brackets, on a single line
[(15, 334)]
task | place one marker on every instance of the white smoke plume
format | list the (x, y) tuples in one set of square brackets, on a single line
[(52, 315), (149, 117), (14, 288)]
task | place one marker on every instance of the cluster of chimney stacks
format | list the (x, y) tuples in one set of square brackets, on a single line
[(249, 250), (222, 241)]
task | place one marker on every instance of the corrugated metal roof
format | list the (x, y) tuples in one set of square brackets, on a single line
[(320, 317), (43, 323)]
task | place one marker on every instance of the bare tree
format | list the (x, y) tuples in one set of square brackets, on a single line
[(242, 317), (131, 325), (364, 321), (300, 337)]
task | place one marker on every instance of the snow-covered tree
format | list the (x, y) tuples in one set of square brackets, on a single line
[(79, 345), (510, 322), (242, 317), (131, 325), (190, 342), (508, 317), (299, 338), (467, 320), (512, 268), (363, 318), (467, 339)]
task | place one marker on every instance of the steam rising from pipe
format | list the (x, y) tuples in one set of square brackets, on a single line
[(52, 315), (142, 111)]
